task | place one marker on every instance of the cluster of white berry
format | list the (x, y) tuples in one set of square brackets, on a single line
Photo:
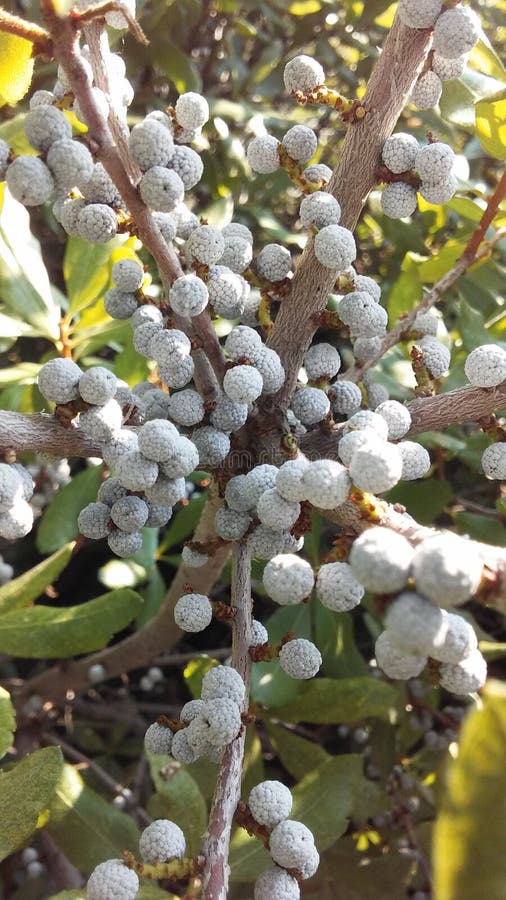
[(160, 842), (432, 164), (455, 33), (291, 844), (485, 367), (16, 514), (444, 571)]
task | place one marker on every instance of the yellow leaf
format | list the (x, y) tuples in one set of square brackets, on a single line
[(16, 67), (491, 124)]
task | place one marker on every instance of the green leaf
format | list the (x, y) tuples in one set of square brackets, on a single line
[(471, 324), (59, 521), (194, 673), (481, 528), (22, 591), (336, 641), (86, 272), (85, 827), (424, 500), (183, 524), (328, 701), (253, 771), (179, 799), (7, 721), (491, 124), (434, 268), (269, 684), (298, 755), (469, 859), (324, 800), (406, 291), (178, 67), (16, 67), (25, 792), (45, 632)]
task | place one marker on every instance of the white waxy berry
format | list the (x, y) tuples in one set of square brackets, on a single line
[(327, 483), (223, 681), (100, 423), (161, 189), (135, 472), (335, 247), (67, 212), (366, 418), (229, 415), (303, 73), (436, 357), (265, 543), (144, 329), (29, 180), (127, 274), (98, 385), (376, 466), (419, 13), (270, 802), (365, 283), (464, 677), (44, 125), (263, 154), (5, 152), (122, 441), (129, 513), (27, 482), (447, 69), (427, 91), (223, 717), (185, 221), (161, 841), (230, 524), (17, 521), (300, 143), (291, 844), (243, 384), (447, 569), (460, 640), (168, 344), (397, 418), (399, 152), (271, 369), (311, 866), (237, 254), (399, 200), (493, 461), (319, 209), (345, 397), (188, 165), (96, 673), (157, 515), (97, 223), (415, 460), (318, 173), (289, 481), (426, 323), (186, 407), (395, 661), (321, 361), (213, 445), (227, 291), (376, 393), (70, 163), (276, 884), (205, 244), (41, 98), (157, 440), (259, 634), (94, 521), (193, 612), (439, 192), (192, 110), (273, 262), (310, 405), (166, 491), (116, 19), (243, 343), (366, 348), (112, 879), (456, 32), (381, 560), (119, 304), (275, 512), (188, 295), (124, 544), (167, 225), (58, 380), (181, 748), (485, 366), (337, 588), (288, 579), (184, 460), (158, 739), (364, 316), (415, 624), (237, 229), (150, 144), (100, 188), (434, 162), (191, 710)]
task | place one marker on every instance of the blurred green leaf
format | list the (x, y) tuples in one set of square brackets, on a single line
[(334, 637), (471, 324), (269, 684), (481, 528), (297, 754), (179, 799), (86, 272), (183, 523), (328, 701), (491, 124), (469, 862), (44, 632), (7, 721), (59, 520), (85, 827), (22, 591), (195, 671), (424, 500), (177, 66), (25, 793)]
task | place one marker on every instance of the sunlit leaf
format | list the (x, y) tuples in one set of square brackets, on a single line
[(16, 67), (25, 791)]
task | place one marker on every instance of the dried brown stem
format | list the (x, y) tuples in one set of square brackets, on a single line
[(387, 92), (228, 787)]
